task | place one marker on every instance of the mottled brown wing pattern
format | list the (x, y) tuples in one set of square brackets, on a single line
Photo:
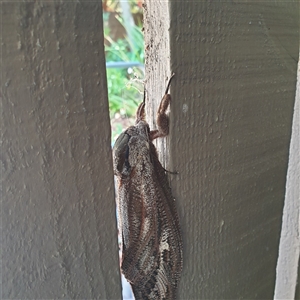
[(147, 217)]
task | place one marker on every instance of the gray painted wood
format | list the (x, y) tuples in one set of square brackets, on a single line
[(59, 236), (231, 116)]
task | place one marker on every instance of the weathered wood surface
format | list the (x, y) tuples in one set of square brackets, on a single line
[(231, 115), (59, 236)]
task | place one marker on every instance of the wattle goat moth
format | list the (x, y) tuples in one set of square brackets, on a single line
[(147, 218)]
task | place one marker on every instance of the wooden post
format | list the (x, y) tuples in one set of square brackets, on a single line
[(231, 115), (59, 236)]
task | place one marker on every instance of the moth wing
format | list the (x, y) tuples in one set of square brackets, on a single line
[(139, 223)]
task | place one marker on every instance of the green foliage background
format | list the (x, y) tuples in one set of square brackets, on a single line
[(123, 93)]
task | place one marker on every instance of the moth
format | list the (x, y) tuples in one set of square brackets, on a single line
[(148, 222)]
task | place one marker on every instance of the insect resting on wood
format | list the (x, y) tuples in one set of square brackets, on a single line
[(147, 218)]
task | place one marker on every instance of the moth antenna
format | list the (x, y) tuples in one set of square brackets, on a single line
[(168, 86), (140, 113)]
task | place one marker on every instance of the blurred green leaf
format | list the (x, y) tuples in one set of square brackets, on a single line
[(123, 97)]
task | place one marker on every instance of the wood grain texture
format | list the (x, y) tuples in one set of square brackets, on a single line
[(230, 127), (59, 235)]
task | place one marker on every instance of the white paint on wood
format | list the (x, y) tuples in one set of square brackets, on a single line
[(289, 248)]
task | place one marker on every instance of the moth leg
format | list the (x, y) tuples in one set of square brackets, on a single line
[(162, 120)]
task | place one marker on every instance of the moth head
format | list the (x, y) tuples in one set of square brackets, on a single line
[(131, 148)]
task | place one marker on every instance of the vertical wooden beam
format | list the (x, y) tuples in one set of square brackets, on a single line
[(231, 116), (59, 236)]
